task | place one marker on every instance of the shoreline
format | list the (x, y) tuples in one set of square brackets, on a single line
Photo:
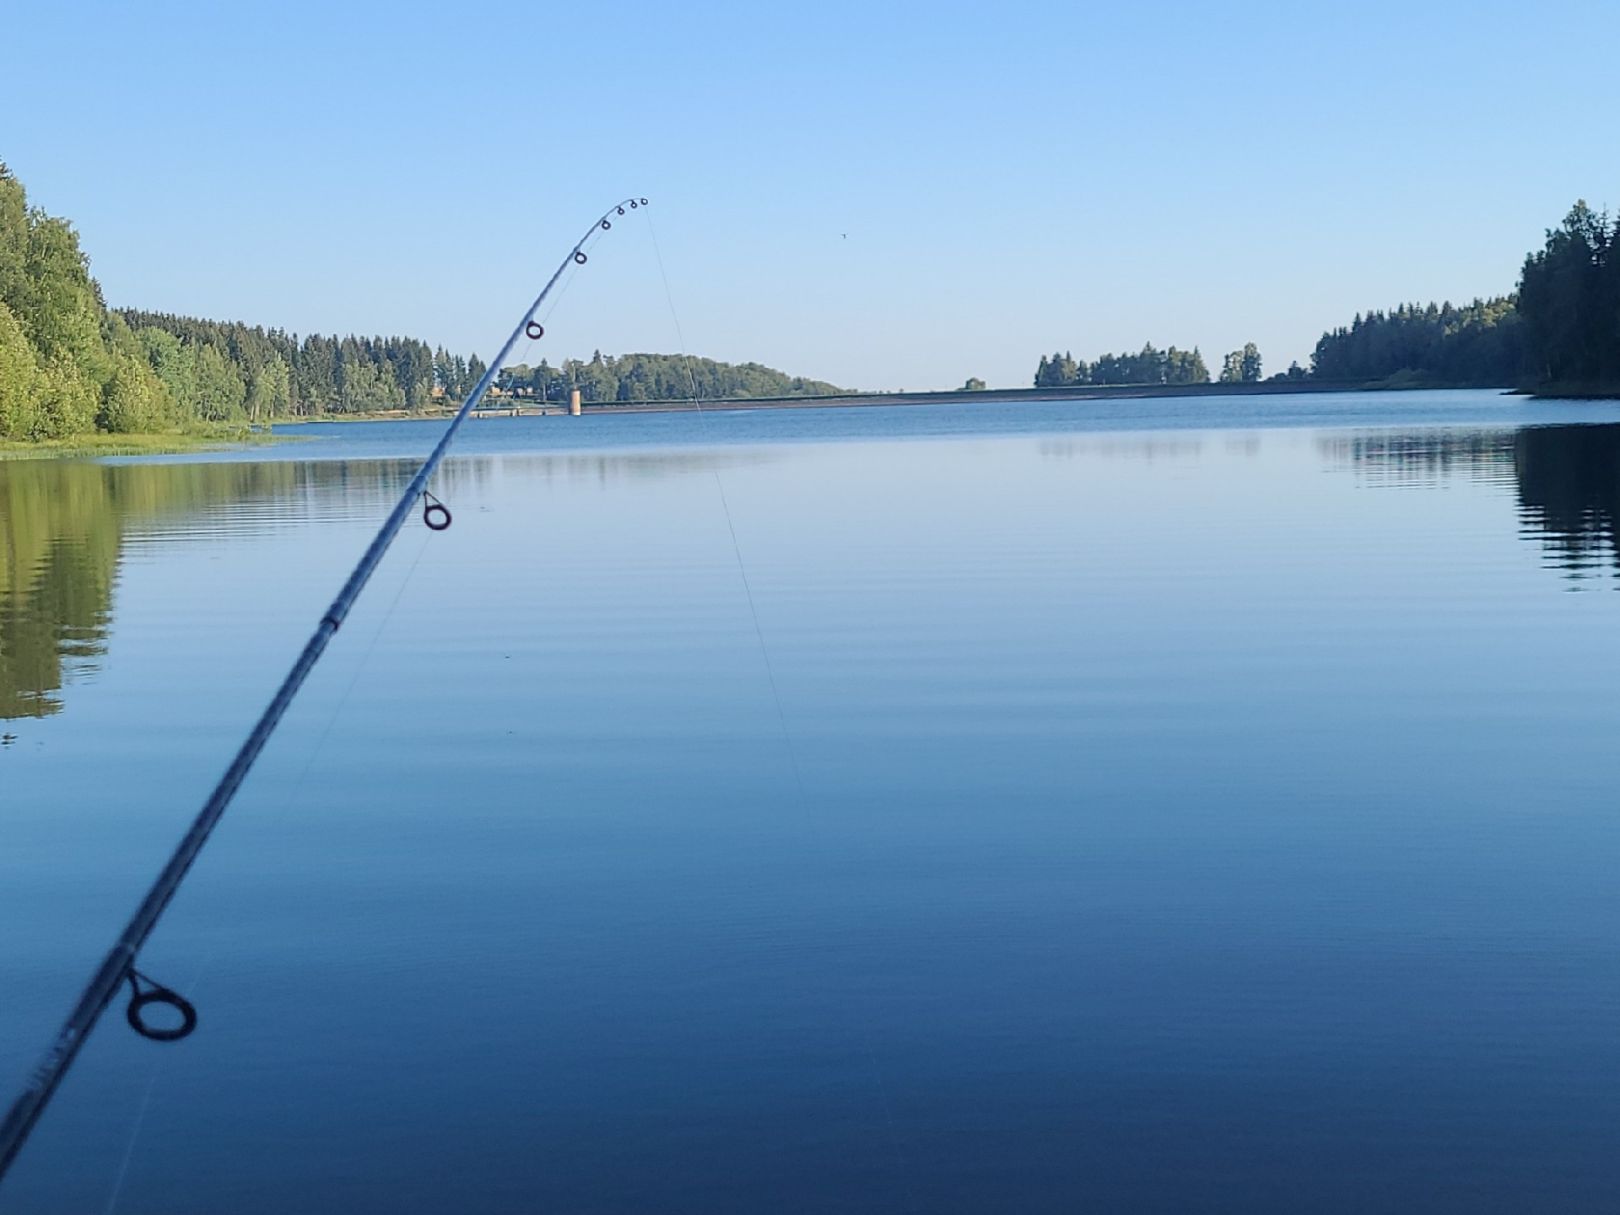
[(1084, 392), (174, 443), (98, 444), (509, 407)]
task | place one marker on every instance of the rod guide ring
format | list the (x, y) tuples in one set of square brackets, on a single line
[(156, 993), (434, 513)]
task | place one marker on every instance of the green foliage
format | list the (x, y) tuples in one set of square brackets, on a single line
[(1477, 344), (1149, 366), (973, 384), (269, 392), (1059, 371), (135, 401), (67, 400), (1569, 297), (656, 377), (283, 377), (68, 365), (1242, 366), (364, 387), (220, 390), (175, 366), (54, 363), (19, 381), (60, 306)]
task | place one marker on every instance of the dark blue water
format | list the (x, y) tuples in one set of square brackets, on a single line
[(1153, 807)]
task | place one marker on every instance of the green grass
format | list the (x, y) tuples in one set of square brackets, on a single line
[(202, 439)]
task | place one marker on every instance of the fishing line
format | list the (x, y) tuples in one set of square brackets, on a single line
[(134, 1137), (731, 527), (118, 968), (896, 1143)]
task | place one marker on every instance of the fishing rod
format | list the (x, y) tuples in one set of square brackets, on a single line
[(119, 966)]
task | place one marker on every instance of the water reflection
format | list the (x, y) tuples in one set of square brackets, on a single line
[(1567, 480), (1423, 459), (1144, 448), (606, 467), (1569, 495), (64, 525)]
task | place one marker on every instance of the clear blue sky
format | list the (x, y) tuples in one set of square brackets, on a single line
[(1012, 177)]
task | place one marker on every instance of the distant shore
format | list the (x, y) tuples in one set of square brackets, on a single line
[(506, 406), (1084, 392), (92, 445)]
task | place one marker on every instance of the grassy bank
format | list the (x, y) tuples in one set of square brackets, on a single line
[(91, 445)]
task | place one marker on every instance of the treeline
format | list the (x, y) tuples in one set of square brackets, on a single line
[(655, 377), (1569, 298), (1479, 344), (269, 373), (1149, 366), (1559, 332), (65, 367), (69, 364)]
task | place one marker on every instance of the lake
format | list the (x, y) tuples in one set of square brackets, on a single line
[(1156, 806)]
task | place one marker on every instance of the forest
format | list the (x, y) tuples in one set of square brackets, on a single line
[(69, 365), (1476, 345), (1149, 366), (655, 377), (1559, 332)]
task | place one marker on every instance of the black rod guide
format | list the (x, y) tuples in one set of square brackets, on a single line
[(119, 965)]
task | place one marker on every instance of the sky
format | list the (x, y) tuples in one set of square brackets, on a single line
[(880, 195)]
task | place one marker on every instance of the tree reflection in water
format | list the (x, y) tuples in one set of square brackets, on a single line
[(1569, 494), (1567, 479), (63, 525)]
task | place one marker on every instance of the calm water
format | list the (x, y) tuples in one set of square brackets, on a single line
[(1161, 807)]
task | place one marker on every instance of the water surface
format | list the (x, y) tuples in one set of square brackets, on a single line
[(1146, 807)]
